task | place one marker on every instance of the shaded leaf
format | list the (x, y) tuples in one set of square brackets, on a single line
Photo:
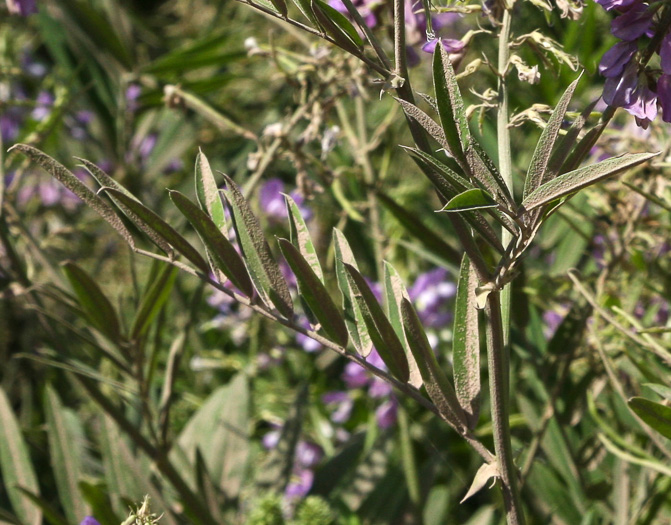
[(96, 306), (17, 468), (435, 381), (394, 293), (149, 219), (353, 317), (487, 174), (655, 415), (382, 334), (474, 199), (446, 179), (67, 179), (281, 7), (262, 267), (582, 177), (337, 26), (64, 456), (430, 126), (536, 174), (223, 253), (208, 195), (312, 290), (450, 105), (153, 300), (305, 7), (466, 344)]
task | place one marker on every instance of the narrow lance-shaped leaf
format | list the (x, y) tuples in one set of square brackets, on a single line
[(148, 219), (17, 468), (281, 6), (65, 458), (94, 303), (382, 334), (263, 268), (487, 174), (208, 195), (581, 178), (300, 237), (394, 293), (475, 199), (315, 294), (655, 415), (67, 179), (430, 126), (106, 181), (153, 300), (466, 344), (223, 253), (536, 174), (337, 26), (450, 105), (353, 317), (449, 182), (435, 381), (305, 7)]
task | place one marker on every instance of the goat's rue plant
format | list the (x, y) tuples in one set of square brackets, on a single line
[(496, 224)]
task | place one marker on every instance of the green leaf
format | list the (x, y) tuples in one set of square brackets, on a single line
[(312, 290), (223, 253), (148, 219), (207, 193), (67, 179), (153, 300), (466, 344), (486, 173), (106, 181), (263, 269), (281, 7), (536, 174), (394, 293), (581, 178), (435, 381), (65, 458), (16, 466), (382, 334), (96, 306), (447, 180), (353, 317), (655, 415), (300, 237), (450, 105), (337, 26), (305, 7), (475, 199), (430, 126), (662, 390)]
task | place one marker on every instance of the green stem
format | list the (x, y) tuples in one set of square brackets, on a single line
[(499, 393), (409, 464)]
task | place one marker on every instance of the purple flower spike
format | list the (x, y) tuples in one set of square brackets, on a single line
[(616, 59), (633, 24), (89, 520), (618, 90), (24, 8), (643, 105), (664, 96)]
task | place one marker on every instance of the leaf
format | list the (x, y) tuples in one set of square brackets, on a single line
[(655, 415), (485, 172), (356, 326), (661, 390), (148, 219), (223, 253), (281, 7), (582, 177), (96, 306), (447, 180), (106, 181), (382, 334), (450, 105), (466, 344), (430, 126), (300, 237), (536, 174), (337, 26), (475, 199), (153, 300), (394, 293), (208, 195), (312, 290), (65, 458), (486, 472), (67, 179), (305, 7), (435, 381), (263, 269), (16, 466)]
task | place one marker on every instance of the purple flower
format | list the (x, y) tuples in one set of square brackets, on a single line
[(616, 4), (386, 413), (552, 320), (618, 90), (272, 200), (632, 24), (354, 375), (300, 484), (451, 45), (379, 388), (643, 105), (133, 92), (10, 125), (616, 58), (89, 520), (272, 438), (308, 455), (664, 96), (665, 54), (430, 292), (43, 104), (147, 145), (341, 403), (24, 8), (361, 6)]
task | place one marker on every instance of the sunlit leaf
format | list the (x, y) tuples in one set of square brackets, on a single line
[(430, 126), (337, 26), (474, 199), (655, 415), (300, 237), (208, 195)]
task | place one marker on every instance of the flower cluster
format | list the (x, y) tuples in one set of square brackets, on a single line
[(628, 85)]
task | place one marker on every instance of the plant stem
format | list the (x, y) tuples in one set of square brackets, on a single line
[(499, 391)]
